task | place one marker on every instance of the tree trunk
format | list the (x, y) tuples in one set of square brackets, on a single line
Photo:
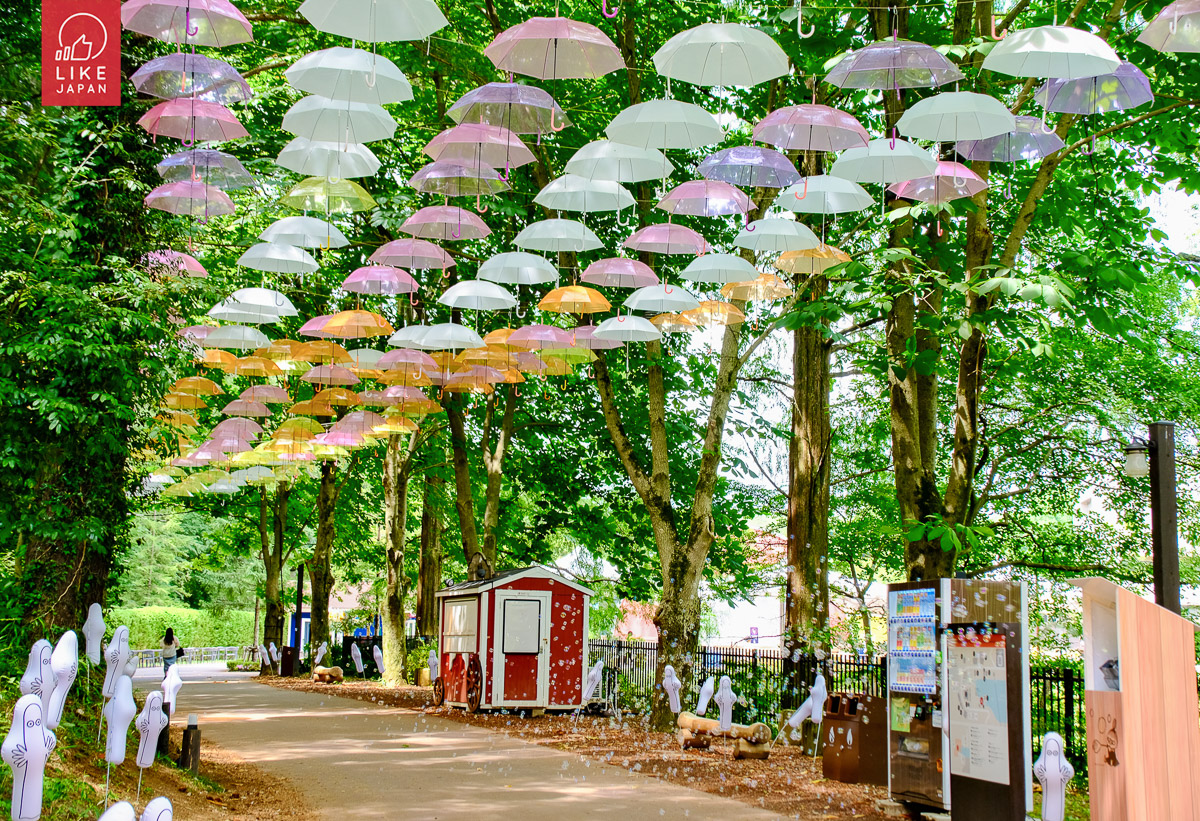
[(320, 575), (429, 575), (397, 466), (273, 579), (493, 461), (464, 501)]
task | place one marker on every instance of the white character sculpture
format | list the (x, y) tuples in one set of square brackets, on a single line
[(725, 699), (131, 666), (64, 666), (356, 655), (435, 669), (672, 685), (38, 680), (159, 809), (321, 651), (378, 654), (593, 680), (25, 750), (170, 689), (706, 694), (122, 811), (93, 633), (151, 721), (274, 652), (813, 708), (118, 714), (1054, 772), (264, 656), (115, 657)]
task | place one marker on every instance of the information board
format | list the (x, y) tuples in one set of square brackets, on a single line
[(977, 700)]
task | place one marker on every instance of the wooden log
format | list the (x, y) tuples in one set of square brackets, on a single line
[(750, 749), (690, 741), (757, 733), (328, 675)]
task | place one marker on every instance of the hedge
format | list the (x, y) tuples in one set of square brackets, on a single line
[(193, 628)]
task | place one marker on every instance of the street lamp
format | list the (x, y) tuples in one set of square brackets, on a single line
[(1156, 457)]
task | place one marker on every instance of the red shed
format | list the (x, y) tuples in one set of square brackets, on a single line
[(518, 639)]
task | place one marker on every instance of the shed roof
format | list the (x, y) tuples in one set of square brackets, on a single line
[(507, 576)]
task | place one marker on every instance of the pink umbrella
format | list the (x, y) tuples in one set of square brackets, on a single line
[(246, 407), (585, 338), (191, 121), (380, 280), (416, 254), (199, 22), (244, 428), (540, 337), (445, 222), (330, 375), (407, 357), (618, 272), (404, 393), (555, 48), (474, 144), (264, 393), (475, 377), (313, 327), (811, 128), (226, 444), (167, 261), (196, 333), (194, 199), (667, 238), (951, 181), (705, 198), (455, 180), (340, 438), (360, 422)]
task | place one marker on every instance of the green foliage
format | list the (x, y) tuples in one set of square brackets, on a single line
[(193, 628)]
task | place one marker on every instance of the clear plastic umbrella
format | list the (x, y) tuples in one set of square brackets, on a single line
[(412, 336), (667, 238), (170, 262), (454, 180), (265, 298), (620, 272), (380, 280), (414, 254), (811, 261), (811, 127), (824, 194), (661, 298), (230, 310), (705, 198), (307, 232), (1028, 141), (719, 268), (318, 158), (195, 22), (191, 75), (446, 223), (894, 64), (557, 236), (884, 161), (619, 162), (627, 329), (555, 48), (320, 118), (216, 168), (1125, 88), (375, 21), (749, 166), (580, 194), (478, 295), (1052, 51), (539, 337), (328, 196), (956, 115), (585, 337), (518, 268), (192, 199), (721, 54), (474, 144), (192, 121), (520, 108), (236, 337), (1175, 29), (351, 74), (665, 124), (279, 258), (776, 236), (951, 181)]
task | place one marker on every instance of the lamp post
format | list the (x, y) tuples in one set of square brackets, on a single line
[(1156, 457)]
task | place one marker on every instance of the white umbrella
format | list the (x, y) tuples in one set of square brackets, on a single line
[(410, 336), (619, 162), (317, 158), (350, 74), (230, 310), (661, 299), (665, 124), (557, 235), (573, 193), (366, 358), (776, 236), (449, 336), (885, 161), (956, 115), (375, 21), (824, 194), (627, 329), (278, 258), (1175, 29), (320, 118), (307, 232), (236, 337), (265, 298), (478, 295), (721, 54), (1060, 52), (720, 268), (222, 486), (518, 268)]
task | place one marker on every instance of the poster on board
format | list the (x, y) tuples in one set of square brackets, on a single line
[(977, 692)]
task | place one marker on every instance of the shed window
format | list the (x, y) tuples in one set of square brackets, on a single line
[(462, 622)]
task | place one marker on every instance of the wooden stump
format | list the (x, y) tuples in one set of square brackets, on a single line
[(749, 749), (690, 741), (328, 675)]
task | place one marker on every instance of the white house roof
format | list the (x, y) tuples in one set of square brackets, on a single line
[(508, 576)]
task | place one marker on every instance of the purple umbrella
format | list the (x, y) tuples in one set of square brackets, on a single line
[(445, 222), (585, 337), (619, 272), (213, 167), (811, 127), (193, 199), (192, 75), (1125, 88), (750, 166), (667, 238), (894, 64), (951, 181), (1028, 142), (479, 144), (454, 180), (539, 337), (416, 254), (380, 280), (705, 198), (167, 261), (520, 108)]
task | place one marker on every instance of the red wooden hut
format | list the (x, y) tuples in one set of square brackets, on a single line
[(517, 639)]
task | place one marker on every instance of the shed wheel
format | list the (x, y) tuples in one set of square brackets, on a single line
[(474, 684), (439, 692)]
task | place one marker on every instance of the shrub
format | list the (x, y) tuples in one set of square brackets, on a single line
[(193, 628)]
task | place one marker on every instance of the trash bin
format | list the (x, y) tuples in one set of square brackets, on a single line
[(287, 661), (872, 740), (842, 730)]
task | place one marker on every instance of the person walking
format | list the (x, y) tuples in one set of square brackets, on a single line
[(171, 650)]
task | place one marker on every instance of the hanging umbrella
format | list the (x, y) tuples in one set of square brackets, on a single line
[(721, 54), (330, 375), (380, 280), (518, 268), (449, 336), (705, 198), (407, 358), (357, 324), (884, 161), (1125, 88), (811, 127), (245, 407), (555, 48), (409, 337), (478, 295), (365, 360), (376, 399), (499, 336), (319, 118), (313, 326), (749, 166), (776, 236), (350, 74), (454, 180), (824, 194), (556, 236), (956, 115), (894, 64), (197, 22), (217, 359), (585, 337), (265, 298), (309, 407), (317, 158), (1175, 29), (307, 232), (720, 268), (279, 258), (338, 397), (1028, 141), (715, 312), (665, 124), (1052, 51), (520, 108), (230, 310), (618, 162), (328, 196), (573, 193), (193, 199), (574, 299), (766, 287), (169, 262), (413, 254), (192, 121), (619, 272), (375, 21), (951, 181), (263, 393), (446, 222), (813, 261), (184, 74), (322, 351), (667, 238), (183, 401), (235, 337), (572, 356), (216, 168), (281, 350), (255, 366), (497, 356), (670, 323), (242, 428), (659, 298), (196, 333), (540, 337), (474, 144)]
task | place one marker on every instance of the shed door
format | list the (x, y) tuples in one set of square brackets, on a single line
[(520, 674)]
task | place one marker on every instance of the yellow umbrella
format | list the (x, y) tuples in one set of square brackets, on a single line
[(255, 366), (355, 324), (395, 424), (499, 337), (573, 356), (499, 356), (767, 287), (183, 401), (299, 425), (281, 350), (673, 323), (328, 196), (575, 299), (311, 407), (557, 367), (343, 397), (512, 376), (715, 312), (329, 452), (321, 352), (261, 455), (197, 386), (178, 419), (813, 261), (214, 358)]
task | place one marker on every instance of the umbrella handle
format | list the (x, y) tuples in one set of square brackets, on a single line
[(412, 299), (1044, 129), (993, 33), (1091, 147), (667, 289), (812, 29), (553, 114), (507, 171), (624, 224), (959, 182), (369, 79), (456, 233), (892, 144), (517, 392), (805, 194), (187, 24), (604, 9), (521, 312), (939, 227), (749, 226), (479, 206)]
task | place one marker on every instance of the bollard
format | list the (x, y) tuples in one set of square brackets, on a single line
[(164, 738), (189, 752)]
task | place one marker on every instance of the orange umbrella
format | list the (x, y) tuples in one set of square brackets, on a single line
[(499, 356), (311, 407), (355, 324), (214, 358), (406, 376), (183, 401), (767, 287), (178, 419), (322, 352), (395, 424), (673, 323), (197, 386), (557, 367), (343, 397), (499, 336), (511, 376), (281, 350), (812, 261), (255, 366), (575, 299), (715, 312)]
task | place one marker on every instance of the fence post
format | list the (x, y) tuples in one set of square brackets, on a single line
[(1069, 707)]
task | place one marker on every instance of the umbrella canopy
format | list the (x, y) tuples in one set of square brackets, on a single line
[(192, 121), (197, 386), (246, 407), (338, 397), (225, 171), (407, 358), (619, 272), (720, 268), (380, 280), (318, 158), (322, 350), (255, 366), (365, 359), (330, 375), (776, 236), (766, 287), (265, 298), (169, 262), (556, 236), (555, 48), (183, 401), (282, 350), (750, 166), (478, 295), (1052, 51), (705, 198), (574, 299), (410, 336), (665, 124), (474, 144), (661, 298), (192, 199), (263, 393), (627, 329), (618, 162), (884, 161), (329, 196), (520, 108), (1125, 88), (320, 118), (956, 115), (313, 326), (454, 180), (278, 257), (892, 64), (446, 222), (518, 268), (246, 429), (183, 74), (309, 407), (1175, 29), (721, 54), (951, 181), (197, 22), (540, 337), (824, 194), (715, 312), (667, 238), (307, 232), (449, 336), (1028, 141), (811, 127), (813, 261), (357, 324), (373, 21), (585, 337), (573, 193), (351, 74), (414, 254), (196, 333)]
